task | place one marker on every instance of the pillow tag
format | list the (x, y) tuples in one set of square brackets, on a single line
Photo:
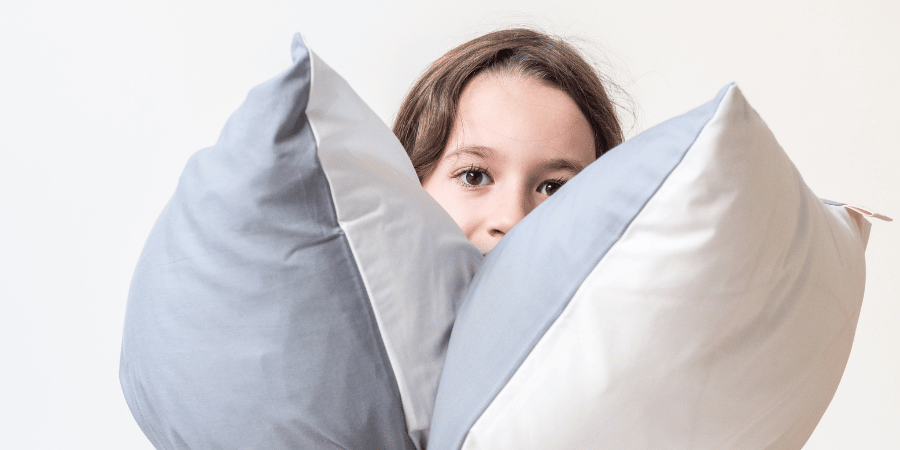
[(868, 212)]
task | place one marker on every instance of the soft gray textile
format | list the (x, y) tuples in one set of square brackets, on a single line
[(248, 325)]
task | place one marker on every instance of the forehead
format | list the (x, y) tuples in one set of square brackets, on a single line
[(517, 116)]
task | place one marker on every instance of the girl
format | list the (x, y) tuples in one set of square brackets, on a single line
[(498, 124)]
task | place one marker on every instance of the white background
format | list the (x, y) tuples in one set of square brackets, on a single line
[(102, 102)]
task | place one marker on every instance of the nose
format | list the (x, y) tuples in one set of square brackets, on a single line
[(509, 206)]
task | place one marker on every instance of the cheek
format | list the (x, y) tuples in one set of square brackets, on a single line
[(463, 219), (454, 202)]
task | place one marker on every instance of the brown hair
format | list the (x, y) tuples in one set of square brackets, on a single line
[(426, 117)]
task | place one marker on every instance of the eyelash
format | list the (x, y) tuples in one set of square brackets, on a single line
[(558, 181), (458, 174)]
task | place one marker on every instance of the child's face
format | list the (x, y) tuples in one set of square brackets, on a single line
[(514, 142)]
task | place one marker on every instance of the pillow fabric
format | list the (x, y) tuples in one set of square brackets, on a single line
[(298, 289), (685, 291)]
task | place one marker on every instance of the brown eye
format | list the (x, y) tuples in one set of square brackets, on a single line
[(474, 178), (549, 187)]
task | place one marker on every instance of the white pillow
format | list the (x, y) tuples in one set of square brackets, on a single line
[(298, 290), (685, 291)]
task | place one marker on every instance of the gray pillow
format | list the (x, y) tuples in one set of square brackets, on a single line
[(298, 289)]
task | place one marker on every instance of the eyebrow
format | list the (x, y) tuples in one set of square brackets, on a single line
[(473, 150), (489, 153), (562, 164)]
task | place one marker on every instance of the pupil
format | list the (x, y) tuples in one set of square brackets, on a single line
[(551, 188), (473, 177)]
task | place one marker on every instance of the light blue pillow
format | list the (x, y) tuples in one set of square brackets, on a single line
[(685, 291), (298, 289)]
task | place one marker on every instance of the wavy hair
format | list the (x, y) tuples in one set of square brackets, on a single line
[(427, 114)]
